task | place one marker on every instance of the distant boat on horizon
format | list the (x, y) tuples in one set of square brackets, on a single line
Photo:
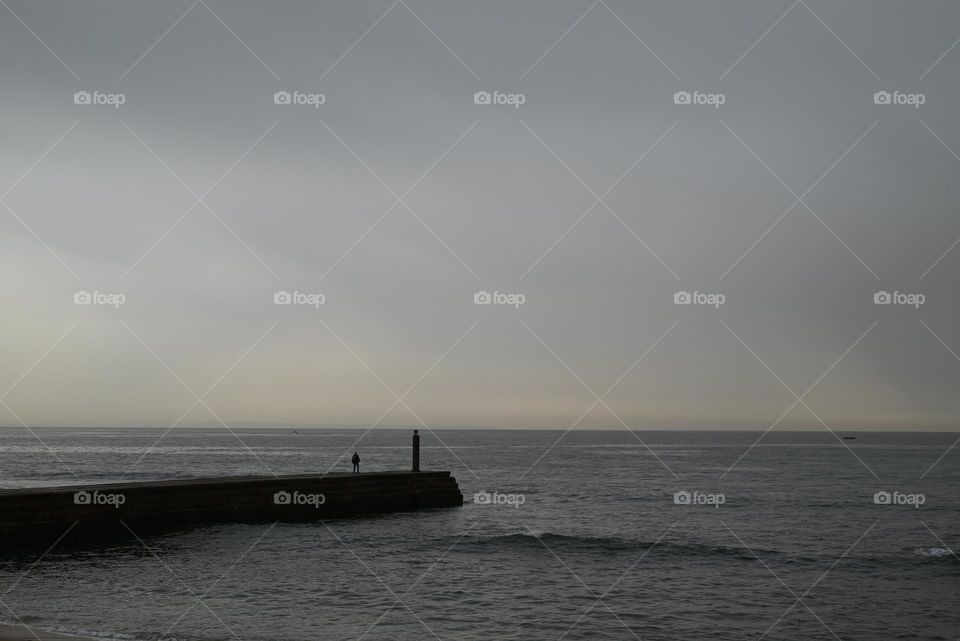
[(849, 438)]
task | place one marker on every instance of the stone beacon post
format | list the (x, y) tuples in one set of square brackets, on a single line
[(416, 450)]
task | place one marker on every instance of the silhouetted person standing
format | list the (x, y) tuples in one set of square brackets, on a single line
[(356, 463)]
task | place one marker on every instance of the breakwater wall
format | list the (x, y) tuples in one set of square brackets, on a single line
[(38, 516)]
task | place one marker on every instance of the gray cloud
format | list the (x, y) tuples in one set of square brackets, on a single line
[(500, 198)]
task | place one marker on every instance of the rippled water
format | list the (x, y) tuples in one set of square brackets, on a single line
[(591, 546)]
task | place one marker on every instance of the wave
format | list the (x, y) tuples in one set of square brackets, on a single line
[(687, 549), (934, 553), (38, 625), (553, 540)]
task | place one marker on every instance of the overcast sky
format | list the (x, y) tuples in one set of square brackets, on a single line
[(594, 202)]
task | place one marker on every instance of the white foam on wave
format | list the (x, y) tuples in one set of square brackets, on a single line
[(934, 552)]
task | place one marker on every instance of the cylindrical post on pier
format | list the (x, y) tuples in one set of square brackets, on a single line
[(416, 450)]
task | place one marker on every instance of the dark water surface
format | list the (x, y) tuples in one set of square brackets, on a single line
[(588, 542)]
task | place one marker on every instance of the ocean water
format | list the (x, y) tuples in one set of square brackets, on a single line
[(584, 536)]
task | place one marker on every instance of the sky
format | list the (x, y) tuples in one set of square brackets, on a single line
[(684, 215)]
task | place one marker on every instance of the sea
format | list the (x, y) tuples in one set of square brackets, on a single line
[(651, 535)]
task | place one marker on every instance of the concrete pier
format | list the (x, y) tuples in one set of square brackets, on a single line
[(38, 516)]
